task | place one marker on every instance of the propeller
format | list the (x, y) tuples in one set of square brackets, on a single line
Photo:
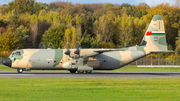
[(50, 46), (68, 51), (77, 45), (77, 51), (41, 45)]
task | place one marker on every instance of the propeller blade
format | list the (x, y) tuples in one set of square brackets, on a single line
[(41, 45), (68, 51), (77, 51), (77, 48)]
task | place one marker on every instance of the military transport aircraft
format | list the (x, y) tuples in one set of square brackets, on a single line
[(86, 60)]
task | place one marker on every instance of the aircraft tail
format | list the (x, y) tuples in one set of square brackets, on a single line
[(155, 36)]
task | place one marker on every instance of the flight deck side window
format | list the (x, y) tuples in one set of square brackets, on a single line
[(16, 54)]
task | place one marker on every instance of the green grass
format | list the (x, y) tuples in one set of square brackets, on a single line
[(5, 68), (126, 68), (90, 89)]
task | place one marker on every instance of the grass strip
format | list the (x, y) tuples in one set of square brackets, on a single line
[(90, 89)]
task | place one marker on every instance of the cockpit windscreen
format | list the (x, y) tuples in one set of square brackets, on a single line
[(16, 54)]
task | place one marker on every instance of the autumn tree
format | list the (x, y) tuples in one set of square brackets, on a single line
[(140, 13), (178, 44), (106, 45), (70, 37), (78, 26), (87, 24), (21, 6), (105, 28), (69, 20), (141, 10), (73, 36), (125, 31), (54, 35), (36, 8), (143, 6), (9, 40), (86, 40), (13, 18), (43, 15), (34, 30), (107, 5), (23, 33), (67, 37), (58, 6)]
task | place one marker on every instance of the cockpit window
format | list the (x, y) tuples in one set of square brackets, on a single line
[(16, 54)]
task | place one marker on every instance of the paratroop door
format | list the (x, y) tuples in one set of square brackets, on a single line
[(104, 63)]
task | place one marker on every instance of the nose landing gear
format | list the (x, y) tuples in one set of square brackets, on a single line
[(19, 70)]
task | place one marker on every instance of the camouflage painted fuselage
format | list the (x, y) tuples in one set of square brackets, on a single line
[(56, 59)]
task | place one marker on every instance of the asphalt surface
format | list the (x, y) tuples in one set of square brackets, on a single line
[(94, 74)]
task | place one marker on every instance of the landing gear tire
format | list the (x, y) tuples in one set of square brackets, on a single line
[(88, 72), (72, 71), (80, 72), (19, 70)]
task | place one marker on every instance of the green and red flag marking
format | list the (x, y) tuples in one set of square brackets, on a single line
[(155, 33)]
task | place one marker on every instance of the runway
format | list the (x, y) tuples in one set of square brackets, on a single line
[(94, 74)]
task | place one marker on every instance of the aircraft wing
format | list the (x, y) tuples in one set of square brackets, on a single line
[(99, 51), (106, 50)]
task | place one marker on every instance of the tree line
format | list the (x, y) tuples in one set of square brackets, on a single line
[(27, 23)]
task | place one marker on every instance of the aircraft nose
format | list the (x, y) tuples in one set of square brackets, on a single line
[(7, 62)]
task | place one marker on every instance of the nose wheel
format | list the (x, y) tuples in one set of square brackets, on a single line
[(19, 70)]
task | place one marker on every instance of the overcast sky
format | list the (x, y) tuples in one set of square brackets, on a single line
[(132, 2)]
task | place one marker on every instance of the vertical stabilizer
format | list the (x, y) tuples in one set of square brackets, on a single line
[(155, 36)]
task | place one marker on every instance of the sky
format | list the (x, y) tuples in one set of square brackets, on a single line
[(132, 2)]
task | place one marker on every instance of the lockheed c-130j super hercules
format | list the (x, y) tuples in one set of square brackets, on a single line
[(86, 60)]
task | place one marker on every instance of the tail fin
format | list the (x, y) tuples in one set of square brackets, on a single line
[(155, 36)]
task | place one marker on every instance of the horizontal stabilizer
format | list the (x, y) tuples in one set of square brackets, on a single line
[(161, 51)]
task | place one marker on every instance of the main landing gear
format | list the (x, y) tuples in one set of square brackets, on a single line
[(19, 70), (80, 72)]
